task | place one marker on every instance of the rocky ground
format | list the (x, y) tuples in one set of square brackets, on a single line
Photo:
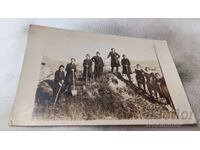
[(112, 97)]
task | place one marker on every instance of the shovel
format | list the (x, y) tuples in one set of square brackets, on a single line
[(56, 99), (73, 91)]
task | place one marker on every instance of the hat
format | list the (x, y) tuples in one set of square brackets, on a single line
[(61, 66), (73, 59), (88, 55)]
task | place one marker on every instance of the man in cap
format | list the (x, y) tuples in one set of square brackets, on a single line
[(126, 69), (140, 77), (149, 80), (70, 76), (87, 68), (58, 81), (99, 64), (114, 59)]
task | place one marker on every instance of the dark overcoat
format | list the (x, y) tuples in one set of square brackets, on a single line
[(99, 64), (87, 70), (162, 89), (114, 59), (69, 75), (59, 76), (126, 69), (140, 76)]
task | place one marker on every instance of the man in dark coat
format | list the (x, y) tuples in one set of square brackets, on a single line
[(157, 85), (162, 88), (99, 64), (87, 68), (58, 81), (70, 78), (140, 77), (126, 67), (114, 59), (149, 77)]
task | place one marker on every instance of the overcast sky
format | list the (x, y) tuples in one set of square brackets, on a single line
[(63, 45)]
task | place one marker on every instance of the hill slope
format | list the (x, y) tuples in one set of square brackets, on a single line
[(110, 98)]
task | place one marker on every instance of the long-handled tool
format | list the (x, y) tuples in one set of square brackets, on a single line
[(73, 91), (56, 99), (172, 105)]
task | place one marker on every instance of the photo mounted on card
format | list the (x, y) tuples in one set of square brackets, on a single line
[(80, 78)]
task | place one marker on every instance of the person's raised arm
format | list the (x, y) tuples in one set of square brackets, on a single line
[(93, 59), (90, 64), (118, 56)]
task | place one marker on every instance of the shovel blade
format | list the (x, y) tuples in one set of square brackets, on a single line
[(74, 92)]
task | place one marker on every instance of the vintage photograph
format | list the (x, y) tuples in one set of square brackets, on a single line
[(81, 78), (107, 84)]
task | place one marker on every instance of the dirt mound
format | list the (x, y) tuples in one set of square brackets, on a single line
[(108, 98)]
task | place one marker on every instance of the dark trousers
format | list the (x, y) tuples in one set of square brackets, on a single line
[(139, 83), (96, 76), (129, 76), (149, 88), (68, 88), (113, 69)]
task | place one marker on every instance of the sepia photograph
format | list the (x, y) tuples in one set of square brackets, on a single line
[(91, 86), (81, 78), (117, 66)]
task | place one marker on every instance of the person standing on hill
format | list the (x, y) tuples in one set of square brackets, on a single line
[(162, 88), (114, 59), (148, 79), (58, 81), (87, 68), (140, 77), (99, 64), (70, 76), (126, 67)]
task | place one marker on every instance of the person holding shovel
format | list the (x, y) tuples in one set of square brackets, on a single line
[(99, 64), (70, 78), (87, 68), (126, 69), (58, 82)]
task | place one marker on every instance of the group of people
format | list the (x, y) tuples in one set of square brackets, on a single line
[(147, 80), (66, 82), (87, 66), (153, 83)]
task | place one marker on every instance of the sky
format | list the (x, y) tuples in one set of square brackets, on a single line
[(65, 44)]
